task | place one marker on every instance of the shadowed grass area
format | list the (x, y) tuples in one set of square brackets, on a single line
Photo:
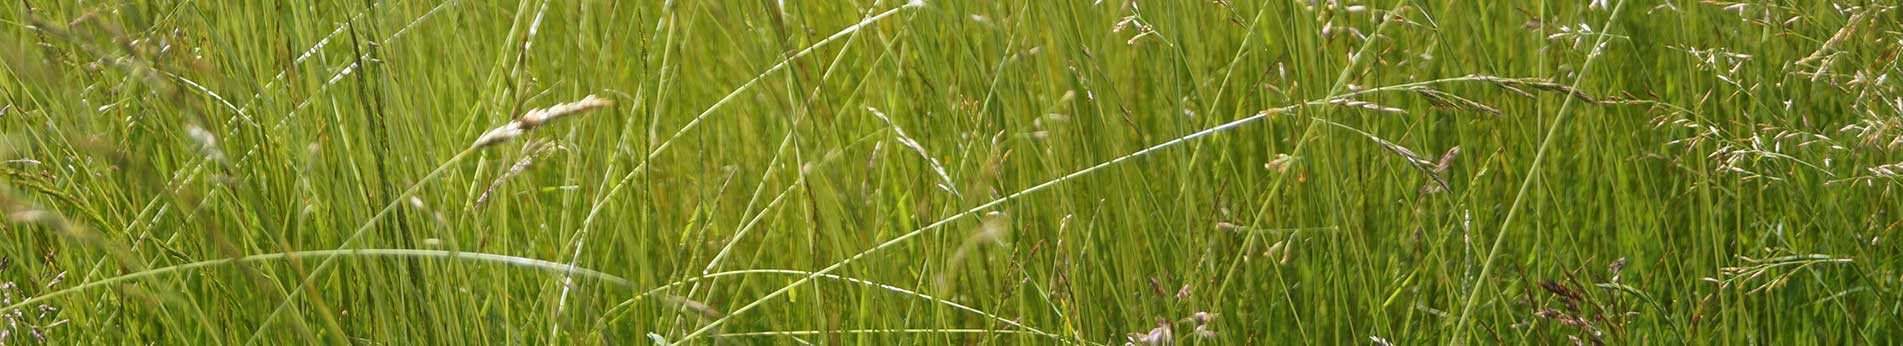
[(951, 172)]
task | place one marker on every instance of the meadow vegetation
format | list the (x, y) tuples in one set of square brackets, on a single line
[(1382, 172)]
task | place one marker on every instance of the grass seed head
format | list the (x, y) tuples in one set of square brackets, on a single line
[(536, 118)]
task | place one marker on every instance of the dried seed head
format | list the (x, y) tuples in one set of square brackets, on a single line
[(532, 150), (541, 116), (1161, 335), (1352, 103), (1447, 160), (1380, 341), (1280, 164), (1887, 171), (1617, 267), (535, 118), (1202, 317), (499, 134)]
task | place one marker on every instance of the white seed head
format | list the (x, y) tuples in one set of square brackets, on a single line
[(541, 116), (537, 117), (499, 134)]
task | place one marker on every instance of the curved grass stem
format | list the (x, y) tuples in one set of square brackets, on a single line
[(330, 255), (350, 241)]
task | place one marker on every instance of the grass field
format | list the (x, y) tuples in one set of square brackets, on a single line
[(951, 172)]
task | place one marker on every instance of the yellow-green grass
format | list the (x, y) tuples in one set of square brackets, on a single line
[(951, 172)]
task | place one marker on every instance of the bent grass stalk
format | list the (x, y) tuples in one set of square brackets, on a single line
[(526, 122), (329, 261), (525, 262)]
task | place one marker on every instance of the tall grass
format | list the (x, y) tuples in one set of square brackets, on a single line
[(951, 172)]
